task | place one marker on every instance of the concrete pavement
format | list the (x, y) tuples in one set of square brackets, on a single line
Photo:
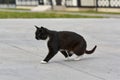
[(20, 53)]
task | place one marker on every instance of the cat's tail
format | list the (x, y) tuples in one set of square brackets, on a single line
[(91, 51)]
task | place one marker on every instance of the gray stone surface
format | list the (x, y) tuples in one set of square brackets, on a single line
[(20, 53)]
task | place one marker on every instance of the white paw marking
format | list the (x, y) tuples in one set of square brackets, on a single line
[(77, 58), (66, 59), (43, 62)]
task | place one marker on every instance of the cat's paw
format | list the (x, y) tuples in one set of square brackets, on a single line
[(67, 59), (43, 62), (77, 58)]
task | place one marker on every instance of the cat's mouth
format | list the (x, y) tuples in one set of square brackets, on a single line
[(41, 38)]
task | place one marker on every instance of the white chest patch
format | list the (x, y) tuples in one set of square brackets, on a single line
[(47, 39)]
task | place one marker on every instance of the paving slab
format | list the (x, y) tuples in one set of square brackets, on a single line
[(20, 53)]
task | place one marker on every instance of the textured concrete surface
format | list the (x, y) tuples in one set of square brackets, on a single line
[(20, 53)]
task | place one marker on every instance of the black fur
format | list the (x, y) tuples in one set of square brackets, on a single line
[(63, 41)]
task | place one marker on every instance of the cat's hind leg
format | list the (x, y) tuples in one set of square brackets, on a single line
[(66, 54), (79, 51)]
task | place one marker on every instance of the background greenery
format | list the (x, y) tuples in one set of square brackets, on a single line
[(7, 14)]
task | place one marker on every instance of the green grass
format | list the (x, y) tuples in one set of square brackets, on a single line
[(13, 9), (6, 14), (94, 12)]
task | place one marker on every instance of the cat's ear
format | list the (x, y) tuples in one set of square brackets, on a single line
[(42, 27), (36, 27)]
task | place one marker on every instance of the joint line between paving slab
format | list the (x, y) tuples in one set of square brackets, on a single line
[(19, 48), (82, 71)]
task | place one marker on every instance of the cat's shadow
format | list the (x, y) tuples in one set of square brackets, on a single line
[(77, 61)]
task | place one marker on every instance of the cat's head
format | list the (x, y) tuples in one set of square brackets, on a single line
[(41, 33)]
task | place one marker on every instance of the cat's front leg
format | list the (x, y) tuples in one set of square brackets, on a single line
[(52, 52), (48, 57)]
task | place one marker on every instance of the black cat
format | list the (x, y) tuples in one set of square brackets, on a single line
[(64, 41)]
